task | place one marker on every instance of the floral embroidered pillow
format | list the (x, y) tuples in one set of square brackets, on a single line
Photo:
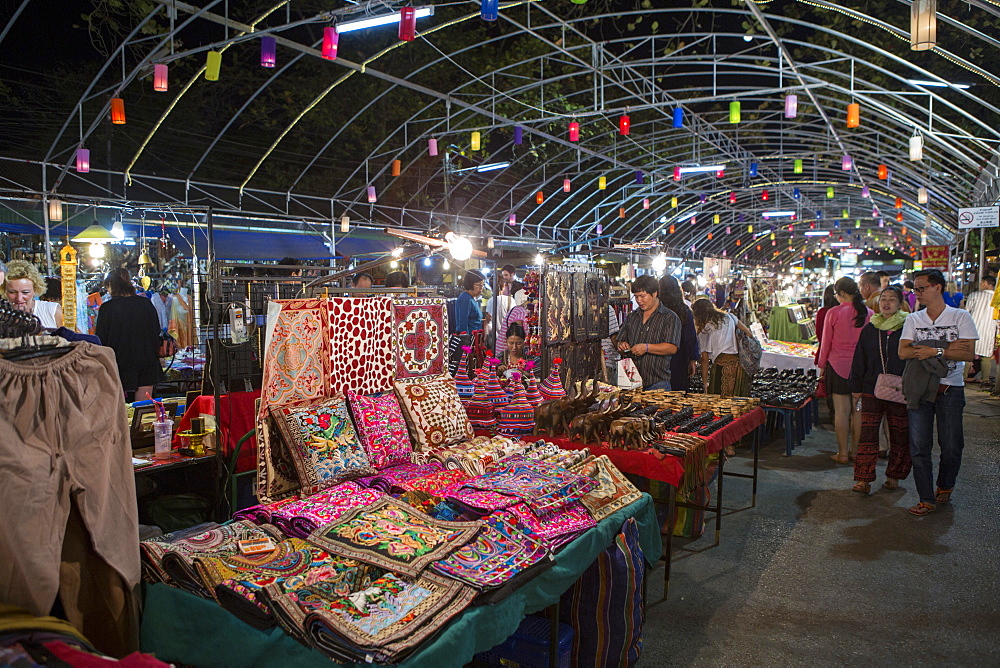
[(322, 443), (382, 428)]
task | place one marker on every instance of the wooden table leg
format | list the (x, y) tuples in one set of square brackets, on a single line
[(668, 549), (718, 499)]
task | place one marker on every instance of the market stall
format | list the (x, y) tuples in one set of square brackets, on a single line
[(786, 355)]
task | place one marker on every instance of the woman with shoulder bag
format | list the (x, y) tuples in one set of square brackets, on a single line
[(876, 380)]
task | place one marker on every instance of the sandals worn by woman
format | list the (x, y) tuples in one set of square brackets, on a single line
[(891, 484), (922, 509), (840, 459), (862, 487), (943, 495)]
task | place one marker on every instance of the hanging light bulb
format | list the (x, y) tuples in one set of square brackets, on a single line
[(82, 160), (678, 117), (96, 251), (539, 197), (853, 115), (916, 148), (734, 111), (118, 111), (432, 147), (160, 76), (268, 51), (846, 163), (213, 63), (624, 125), (645, 202), (371, 195), (791, 106), (921, 195), (753, 169), (659, 263), (602, 183), (407, 24), (331, 42), (829, 192), (55, 210), (490, 243), (574, 127), (923, 25), (397, 167), (345, 224), (518, 135), (475, 140), (489, 10), (459, 247), (118, 230), (797, 166)]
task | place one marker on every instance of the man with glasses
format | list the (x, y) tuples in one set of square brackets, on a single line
[(956, 333)]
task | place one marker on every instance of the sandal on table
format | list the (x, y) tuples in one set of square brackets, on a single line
[(891, 484), (922, 509), (862, 487), (943, 495)]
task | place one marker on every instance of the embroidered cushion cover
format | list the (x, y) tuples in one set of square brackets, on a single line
[(434, 414), (420, 328), (382, 428)]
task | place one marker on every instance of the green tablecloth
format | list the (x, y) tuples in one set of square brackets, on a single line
[(182, 628), (780, 328)]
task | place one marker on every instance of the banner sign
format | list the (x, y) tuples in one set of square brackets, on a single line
[(980, 216), (935, 257)]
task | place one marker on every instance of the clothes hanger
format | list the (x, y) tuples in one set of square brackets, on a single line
[(17, 323)]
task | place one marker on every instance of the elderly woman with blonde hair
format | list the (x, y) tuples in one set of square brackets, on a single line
[(23, 285)]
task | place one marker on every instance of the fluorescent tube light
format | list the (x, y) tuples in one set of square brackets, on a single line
[(384, 20), (777, 214), (840, 244), (686, 216), (696, 169), (938, 84), (817, 233), (492, 166)]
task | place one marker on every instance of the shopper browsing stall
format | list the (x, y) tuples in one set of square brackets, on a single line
[(947, 335), (23, 286), (684, 363), (469, 316), (129, 325), (650, 335), (978, 304), (719, 350), (877, 354)]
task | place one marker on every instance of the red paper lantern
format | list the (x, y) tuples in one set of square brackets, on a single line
[(574, 131), (331, 40), (118, 111), (407, 24), (764, 195), (883, 172), (624, 125), (539, 197), (567, 185), (732, 197)]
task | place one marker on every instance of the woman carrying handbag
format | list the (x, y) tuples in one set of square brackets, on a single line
[(876, 381)]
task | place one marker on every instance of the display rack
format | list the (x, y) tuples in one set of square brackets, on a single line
[(573, 320)]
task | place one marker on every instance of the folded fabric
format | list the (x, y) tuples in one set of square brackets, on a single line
[(491, 559), (322, 442), (545, 487), (151, 551), (390, 479), (556, 530), (614, 490), (302, 517), (213, 570), (393, 535), (436, 483), (387, 621), (262, 514)]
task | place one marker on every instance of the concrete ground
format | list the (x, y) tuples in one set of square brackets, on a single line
[(816, 574)]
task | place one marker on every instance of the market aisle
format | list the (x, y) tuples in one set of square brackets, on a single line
[(818, 574)]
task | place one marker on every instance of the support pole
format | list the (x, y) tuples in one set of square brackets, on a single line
[(48, 240), (982, 256)]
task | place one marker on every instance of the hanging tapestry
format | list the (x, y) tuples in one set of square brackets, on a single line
[(304, 516), (382, 428), (420, 331), (614, 490), (393, 535), (360, 336), (387, 621), (323, 444), (490, 559), (433, 412)]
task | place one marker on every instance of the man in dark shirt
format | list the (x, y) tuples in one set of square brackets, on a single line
[(650, 335)]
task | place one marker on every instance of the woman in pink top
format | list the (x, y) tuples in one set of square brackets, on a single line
[(841, 330)]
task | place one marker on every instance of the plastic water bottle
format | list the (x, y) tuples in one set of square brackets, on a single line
[(162, 435)]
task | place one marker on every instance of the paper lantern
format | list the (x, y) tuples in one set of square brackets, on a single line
[(55, 210), (857, 224), (539, 197), (732, 197), (899, 202), (678, 117), (750, 228), (739, 217), (621, 212), (853, 115), (829, 192), (213, 63), (574, 127), (407, 24), (844, 213), (797, 166), (397, 167), (694, 220), (709, 236), (753, 169), (819, 214), (118, 111), (865, 192), (673, 202), (645, 202), (489, 10), (846, 163), (734, 111), (82, 160), (331, 41), (916, 148), (624, 125), (791, 106), (796, 193), (268, 51), (729, 229), (883, 172), (764, 195), (921, 195), (512, 219), (638, 177), (677, 173), (602, 183), (567, 185), (720, 173), (738, 242), (716, 219), (518, 135), (923, 25), (672, 228), (600, 229), (345, 224), (371, 195), (432, 147), (475, 140), (160, 78)]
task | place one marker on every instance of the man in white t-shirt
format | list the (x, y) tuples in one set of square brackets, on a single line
[(937, 322)]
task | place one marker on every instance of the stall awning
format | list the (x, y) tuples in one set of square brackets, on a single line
[(255, 245)]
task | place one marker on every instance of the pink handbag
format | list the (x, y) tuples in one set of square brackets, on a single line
[(888, 386)]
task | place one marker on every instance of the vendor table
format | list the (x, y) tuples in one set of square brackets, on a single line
[(780, 328), (781, 361), (182, 628), (174, 461), (237, 418), (797, 420)]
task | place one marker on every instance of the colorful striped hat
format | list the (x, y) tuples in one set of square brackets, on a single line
[(463, 382), (517, 417), (551, 387), (494, 392), (533, 395), (479, 408)]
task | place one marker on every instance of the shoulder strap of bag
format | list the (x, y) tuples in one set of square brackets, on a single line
[(881, 356)]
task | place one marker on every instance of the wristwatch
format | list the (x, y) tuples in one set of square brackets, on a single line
[(940, 352)]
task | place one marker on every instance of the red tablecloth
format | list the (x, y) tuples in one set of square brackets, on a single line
[(735, 430), (669, 469), (237, 419)]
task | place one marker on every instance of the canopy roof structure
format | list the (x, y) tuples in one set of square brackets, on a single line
[(714, 142)]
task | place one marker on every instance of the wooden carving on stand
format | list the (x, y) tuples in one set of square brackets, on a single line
[(67, 268)]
